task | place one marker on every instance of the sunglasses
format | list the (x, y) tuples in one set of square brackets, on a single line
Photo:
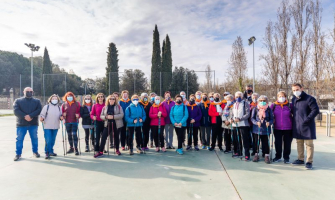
[(135, 99), (112, 99), (87, 99), (262, 101), (101, 97)]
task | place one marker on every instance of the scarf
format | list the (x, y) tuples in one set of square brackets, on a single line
[(168, 102), (144, 104), (198, 100), (70, 103), (224, 101), (253, 104), (124, 100), (281, 104), (214, 104), (261, 111), (191, 105), (88, 104), (156, 106), (206, 104)]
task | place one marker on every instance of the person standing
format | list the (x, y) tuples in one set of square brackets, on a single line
[(168, 104), (248, 93), (26, 110), (146, 124), (87, 124), (226, 122), (215, 112), (198, 97), (95, 116), (193, 123), (124, 103), (304, 110), (205, 123)]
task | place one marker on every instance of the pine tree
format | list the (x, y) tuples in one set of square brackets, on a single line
[(112, 70), (156, 62), (47, 70)]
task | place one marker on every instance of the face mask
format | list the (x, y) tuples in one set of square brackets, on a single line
[(217, 99), (152, 98), (198, 97), (135, 102), (29, 94), (249, 91), (157, 102), (297, 93), (192, 101), (183, 96), (69, 99), (87, 101), (238, 99), (254, 100), (211, 99), (205, 98), (145, 99), (54, 101), (125, 98), (281, 99), (168, 98), (262, 103), (178, 101)]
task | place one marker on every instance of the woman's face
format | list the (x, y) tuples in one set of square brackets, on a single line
[(54, 98), (112, 101), (281, 95)]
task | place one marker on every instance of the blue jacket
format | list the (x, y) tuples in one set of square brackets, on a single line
[(179, 114), (205, 119), (305, 109), (134, 112), (124, 105), (263, 130)]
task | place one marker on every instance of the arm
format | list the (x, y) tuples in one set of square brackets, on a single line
[(314, 110), (247, 112), (173, 121), (164, 112), (119, 116), (82, 114), (199, 114), (212, 111), (43, 112), (128, 117), (103, 115), (17, 110), (144, 115), (93, 112), (78, 109), (253, 116), (271, 117), (185, 116), (36, 112)]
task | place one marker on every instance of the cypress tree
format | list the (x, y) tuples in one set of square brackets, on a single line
[(167, 64), (155, 62), (47, 69), (112, 70), (163, 68)]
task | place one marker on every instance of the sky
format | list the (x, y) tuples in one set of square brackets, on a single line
[(78, 32)]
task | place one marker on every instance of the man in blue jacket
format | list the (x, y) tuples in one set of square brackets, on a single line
[(305, 109), (26, 110)]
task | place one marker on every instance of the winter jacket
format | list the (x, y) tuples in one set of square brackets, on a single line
[(124, 104), (179, 114), (282, 116), (212, 112), (154, 112), (194, 114), (27, 106), (263, 130), (71, 111), (118, 116), (205, 118), (85, 115), (134, 112), (305, 109), (168, 106), (51, 114), (241, 111), (96, 111), (227, 116), (146, 110)]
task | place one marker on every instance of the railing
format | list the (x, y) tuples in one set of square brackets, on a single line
[(328, 120)]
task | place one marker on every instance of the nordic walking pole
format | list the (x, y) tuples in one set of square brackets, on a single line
[(232, 141), (108, 136), (159, 131), (95, 134), (78, 136), (267, 132), (113, 135), (271, 127), (191, 133), (63, 137), (142, 138), (259, 132), (238, 141), (46, 143)]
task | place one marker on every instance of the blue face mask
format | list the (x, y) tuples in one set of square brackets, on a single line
[(239, 99), (157, 102), (262, 103), (69, 98), (152, 98)]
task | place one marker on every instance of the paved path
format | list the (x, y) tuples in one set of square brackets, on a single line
[(194, 175)]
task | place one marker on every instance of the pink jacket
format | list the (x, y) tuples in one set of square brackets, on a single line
[(153, 115), (96, 111)]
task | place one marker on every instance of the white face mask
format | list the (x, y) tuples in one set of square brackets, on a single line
[(135, 102), (87, 101), (183, 96), (297, 93), (54, 101), (198, 96), (281, 99), (157, 102)]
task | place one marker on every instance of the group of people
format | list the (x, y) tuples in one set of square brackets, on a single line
[(235, 123)]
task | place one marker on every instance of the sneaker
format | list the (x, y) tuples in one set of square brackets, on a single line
[(309, 165), (118, 152), (163, 149), (220, 148), (168, 147), (298, 162), (143, 148), (180, 151), (139, 150), (203, 147), (196, 148), (276, 160), (52, 154), (227, 151), (36, 155), (267, 159), (247, 158), (189, 147), (287, 161), (211, 149), (208, 147), (77, 152), (172, 147), (256, 158), (98, 155), (105, 151), (111, 146), (131, 152), (17, 157), (123, 148), (236, 155), (151, 144), (71, 150), (87, 149), (47, 156), (146, 149), (157, 149)]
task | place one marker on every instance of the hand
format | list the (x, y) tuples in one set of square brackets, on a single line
[(135, 121), (77, 116), (159, 114), (61, 118), (237, 120), (231, 120), (227, 123), (220, 113), (192, 121), (259, 124), (267, 124), (175, 124), (180, 124), (27, 118), (141, 120), (41, 119), (94, 118), (110, 117), (64, 114)]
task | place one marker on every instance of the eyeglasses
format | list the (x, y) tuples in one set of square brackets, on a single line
[(101, 97), (262, 101), (135, 99), (112, 99)]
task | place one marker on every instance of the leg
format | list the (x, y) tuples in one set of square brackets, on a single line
[(189, 137), (219, 135), (123, 136), (162, 137), (214, 135), (195, 136), (265, 144), (20, 134), (139, 141), (75, 136), (246, 140), (287, 144), (69, 134), (203, 135), (166, 128), (310, 150), (235, 140), (87, 136), (208, 135), (103, 139), (34, 139), (255, 143), (131, 137), (154, 133), (53, 140), (117, 132), (170, 135), (146, 129), (47, 137), (300, 149), (278, 143), (180, 137)]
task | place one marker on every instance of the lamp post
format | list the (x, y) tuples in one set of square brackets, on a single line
[(33, 48), (251, 42)]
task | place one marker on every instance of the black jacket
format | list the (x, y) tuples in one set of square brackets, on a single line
[(27, 106), (305, 109), (85, 115), (245, 95)]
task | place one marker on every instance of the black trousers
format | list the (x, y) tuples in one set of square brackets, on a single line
[(242, 139), (283, 136), (192, 132), (227, 138), (138, 137), (156, 135), (180, 136), (105, 134), (87, 135), (99, 129), (265, 143), (217, 134), (124, 135), (146, 129)]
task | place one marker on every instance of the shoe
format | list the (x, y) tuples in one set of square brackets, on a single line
[(143, 148), (123, 148), (309, 165), (276, 160), (111, 146), (253, 153), (17, 157), (247, 158), (189, 147), (256, 158), (105, 151), (157, 149), (168, 147), (180, 151), (203, 147), (298, 162), (227, 151), (47, 156), (131, 152), (163, 149), (87, 149), (139, 150), (118, 152), (211, 149), (263, 155), (71, 150), (208, 147), (77, 152), (220, 148), (98, 155), (287, 161), (53, 154), (151, 144), (172, 147), (196, 148), (236, 155), (184, 144), (146, 149), (36, 155), (267, 159)]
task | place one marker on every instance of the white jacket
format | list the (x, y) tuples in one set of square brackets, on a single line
[(241, 111)]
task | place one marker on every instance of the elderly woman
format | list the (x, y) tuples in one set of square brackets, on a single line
[(282, 127), (215, 112), (262, 119), (253, 104), (226, 119), (146, 124), (240, 116)]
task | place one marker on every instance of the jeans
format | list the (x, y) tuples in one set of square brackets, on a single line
[(21, 133), (71, 129), (180, 136), (50, 138), (169, 135), (206, 135)]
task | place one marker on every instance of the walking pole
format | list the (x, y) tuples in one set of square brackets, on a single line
[(232, 140), (159, 131), (259, 132), (267, 132), (63, 137), (271, 127), (46, 144), (191, 134), (126, 142), (113, 135), (78, 136), (142, 139), (95, 134), (238, 141), (108, 136)]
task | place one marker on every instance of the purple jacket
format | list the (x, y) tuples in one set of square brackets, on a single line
[(195, 114), (168, 109), (283, 117)]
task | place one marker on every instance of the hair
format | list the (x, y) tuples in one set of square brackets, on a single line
[(296, 84), (217, 94), (203, 94), (239, 93), (167, 92), (83, 104), (124, 91), (152, 93), (192, 95), (109, 97), (178, 96), (229, 96), (116, 93), (198, 91), (69, 94), (54, 95), (255, 94), (158, 96), (249, 86), (144, 94), (210, 94), (264, 98), (97, 100), (181, 92), (134, 96), (281, 92)]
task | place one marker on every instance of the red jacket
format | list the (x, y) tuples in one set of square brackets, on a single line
[(153, 115), (96, 111), (71, 111), (212, 112)]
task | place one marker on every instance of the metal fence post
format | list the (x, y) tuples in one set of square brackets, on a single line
[(20, 94), (43, 90)]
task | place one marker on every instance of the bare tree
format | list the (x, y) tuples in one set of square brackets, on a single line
[(238, 61), (208, 84)]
